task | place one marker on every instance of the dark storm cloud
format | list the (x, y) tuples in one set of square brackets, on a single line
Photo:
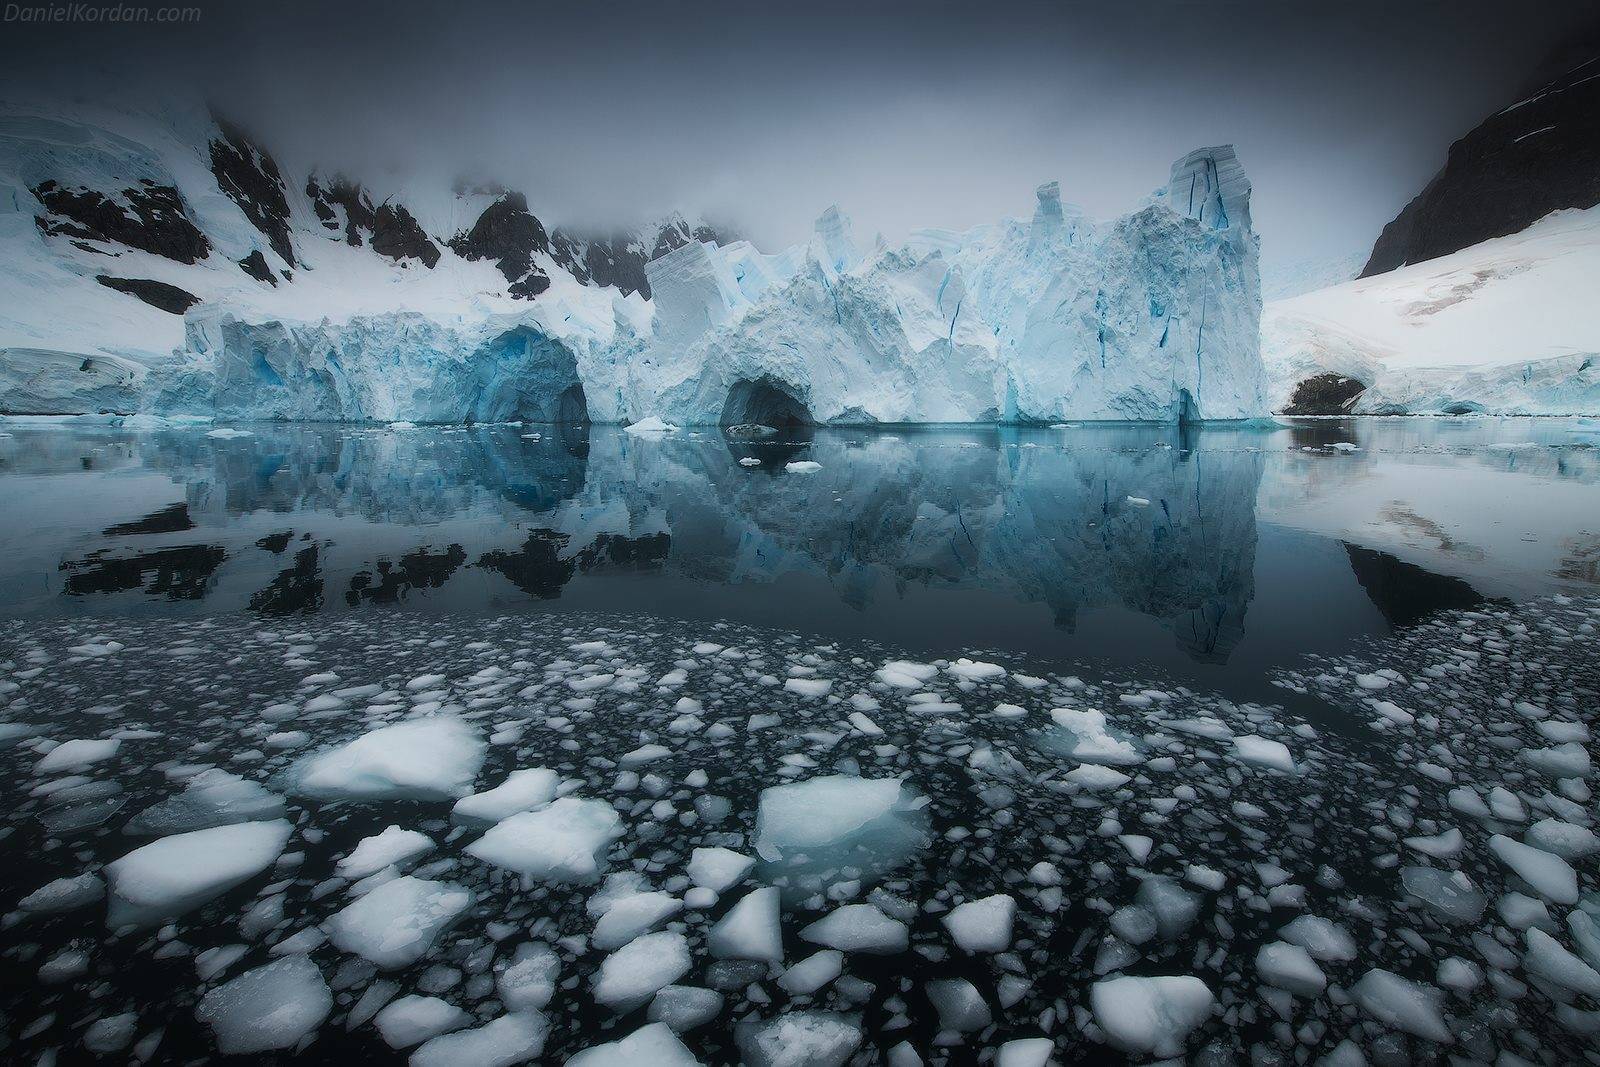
[(907, 115)]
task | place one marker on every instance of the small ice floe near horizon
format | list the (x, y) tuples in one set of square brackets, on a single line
[(684, 858), (227, 433), (803, 466), (651, 426)]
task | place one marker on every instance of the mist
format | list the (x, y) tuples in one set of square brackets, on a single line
[(907, 116)]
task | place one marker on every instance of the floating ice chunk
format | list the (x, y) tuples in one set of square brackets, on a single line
[(685, 1007), (64, 894), (1026, 1052), (392, 847), (647, 1046), (271, 1007), (563, 842), (411, 1020), (799, 1039), (1402, 1004), (633, 915), (827, 811), (1261, 752), (1459, 974), (975, 670), (961, 1007), (1095, 777), (1447, 894), (1549, 959), (1570, 760), (632, 974), (749, 461), (1441, 846), (522, 790), (904, 674), (516, 1037), (808, 687), (397, 923), (858, 928), (1290, 967), (177, 874), (530, 980), (802, 466), (718, 869), (812, 973), (1088, 739), (1322, 938), (751, 930), (1548, 874), (983, 925), (1138, 846), (77, 754), (111, 1034), (1564, 839), (651, 426), (1174, 907), (1150, 1015), (421, 759), (214, 797)]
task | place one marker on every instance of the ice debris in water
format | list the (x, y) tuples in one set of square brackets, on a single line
[(1151, 1015), (214, 797), (564, 842), (649, 1046), (515, 1037), (422, 759), (414, 1019), (397, 923), (179, 873), (799, 1039), (391, 848), (272, 1007), (523, 790)]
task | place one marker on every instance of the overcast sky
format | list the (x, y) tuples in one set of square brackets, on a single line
[(905, 114)]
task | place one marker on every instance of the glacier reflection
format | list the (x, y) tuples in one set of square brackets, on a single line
[(297, 519)]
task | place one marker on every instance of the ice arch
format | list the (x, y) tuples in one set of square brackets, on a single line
[(764, 402), (524, 374)]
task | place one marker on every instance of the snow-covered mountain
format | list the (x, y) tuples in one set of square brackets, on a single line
[(1493, 310), (1506, 326), (169, 264)]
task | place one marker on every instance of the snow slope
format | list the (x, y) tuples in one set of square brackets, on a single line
[(1505, 326)]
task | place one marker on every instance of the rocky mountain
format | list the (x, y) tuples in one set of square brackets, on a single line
[(1537, 155)]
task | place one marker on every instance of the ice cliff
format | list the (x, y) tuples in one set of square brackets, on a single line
[(168, 264)]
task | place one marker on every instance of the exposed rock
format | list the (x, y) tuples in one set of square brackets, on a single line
[(157, 294), (508, 234), (251, 179), (1536, 156), (255, 265), (390, 228), (148, 216), (1325, 394)]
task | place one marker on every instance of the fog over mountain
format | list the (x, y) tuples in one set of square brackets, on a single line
[(763, 116)]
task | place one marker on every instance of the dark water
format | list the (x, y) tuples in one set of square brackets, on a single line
[(1211, 555), (233, 603)]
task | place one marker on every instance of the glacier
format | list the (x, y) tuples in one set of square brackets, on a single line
[(1153, 316), (320, 299)]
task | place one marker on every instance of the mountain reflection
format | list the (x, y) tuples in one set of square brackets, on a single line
[(302, 519)]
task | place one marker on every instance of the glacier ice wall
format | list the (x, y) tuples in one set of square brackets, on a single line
[(1153, 316)]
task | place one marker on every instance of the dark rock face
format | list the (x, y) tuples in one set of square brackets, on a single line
[(618, 260), (390, 228), (157, 224), (508, 234), (675, 233), (1325, 394), (255, 265), (168, 298), (399, 236), (251, 179), (1538, 155)]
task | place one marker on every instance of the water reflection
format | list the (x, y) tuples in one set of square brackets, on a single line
[(1149, 523)]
